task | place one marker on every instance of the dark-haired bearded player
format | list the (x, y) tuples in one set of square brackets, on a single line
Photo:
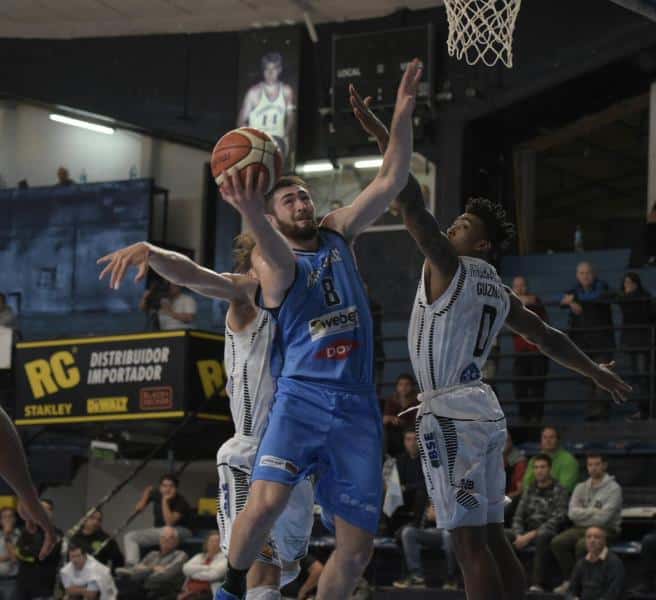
[(461, 305)]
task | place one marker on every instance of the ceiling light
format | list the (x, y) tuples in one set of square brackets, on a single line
[(82, 124), (370, 163), (315, 167)]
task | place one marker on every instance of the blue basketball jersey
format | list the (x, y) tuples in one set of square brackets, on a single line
[(324, 327)]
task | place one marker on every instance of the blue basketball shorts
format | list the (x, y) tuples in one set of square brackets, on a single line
[(335, 433)]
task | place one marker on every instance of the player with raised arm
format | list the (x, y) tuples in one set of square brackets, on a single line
[(14, 470), (249, 338), (461, 305), (325, 418), (269, 105)]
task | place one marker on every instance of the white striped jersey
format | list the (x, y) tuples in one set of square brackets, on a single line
[(247, 360), (450, 339)]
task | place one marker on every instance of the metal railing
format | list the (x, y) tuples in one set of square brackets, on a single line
[(503, 380)]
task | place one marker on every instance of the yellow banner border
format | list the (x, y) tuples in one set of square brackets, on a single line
[(96, 340), (96, 418)]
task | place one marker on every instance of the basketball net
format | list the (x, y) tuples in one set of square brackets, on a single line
[(482, 30)]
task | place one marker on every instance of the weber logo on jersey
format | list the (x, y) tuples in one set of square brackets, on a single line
[(339, 321)]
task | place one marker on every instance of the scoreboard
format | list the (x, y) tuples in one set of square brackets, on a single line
[(374, 62)]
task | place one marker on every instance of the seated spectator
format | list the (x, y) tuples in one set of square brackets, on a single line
[(8, 560), (205, 571), (514, 463), (600, 574), (596, 502), (647, 571), (305, 584), (426, 536), (159, 575), (98, 542), (531, 362), (7, 316), (591, 327), (404, 397), (84, 578), (36, 578), (637, 314), (177, 310), (170, 509), (540, 515), (410, 474), (564, 466), (63, 177)]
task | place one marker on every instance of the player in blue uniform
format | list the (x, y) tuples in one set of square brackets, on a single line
[(325, 418)]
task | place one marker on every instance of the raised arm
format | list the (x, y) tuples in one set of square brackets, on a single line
[(272, 258), (421, 224), (172, 266), (13, 468), (393, 174), (556, 345)]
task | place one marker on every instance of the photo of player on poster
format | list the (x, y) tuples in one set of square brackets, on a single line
[(268, 86)]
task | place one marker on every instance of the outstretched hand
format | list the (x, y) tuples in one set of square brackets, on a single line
[(135, 255), (407, 92), (246, 198), (366, 117), (606, 379)]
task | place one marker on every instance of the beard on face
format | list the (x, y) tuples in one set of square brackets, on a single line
[(297, 232)]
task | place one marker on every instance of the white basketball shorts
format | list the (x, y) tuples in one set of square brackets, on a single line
[(461, 433)]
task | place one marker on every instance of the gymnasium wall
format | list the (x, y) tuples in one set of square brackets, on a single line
[(33, 147)]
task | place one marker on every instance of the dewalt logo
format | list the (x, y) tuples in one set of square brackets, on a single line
[(47, 377)]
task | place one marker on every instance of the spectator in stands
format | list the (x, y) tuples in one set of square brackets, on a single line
[(515, 463), (403, 398), (540, 515), (7, 316), (170, 509), (637, 313), (410, 473), (98, 542), (205, 571), (564, 466), (177, 310), (647, 583), (596, 502), (63, 177), (531, 363), (426, 536), (8, 560), (591, 327), (305, 584), (159, 575), (84, 578), (36, 578), (599, 575)]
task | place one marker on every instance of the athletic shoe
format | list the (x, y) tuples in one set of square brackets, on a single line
[(450, 586), (562, 589), (412, 581), (221, 594), (537, 589)]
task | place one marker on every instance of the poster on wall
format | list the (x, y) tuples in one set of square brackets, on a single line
[(269, 62)]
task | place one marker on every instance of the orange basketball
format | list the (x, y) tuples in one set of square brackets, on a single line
[(243, 147)]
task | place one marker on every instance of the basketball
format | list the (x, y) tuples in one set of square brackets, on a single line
[(243, 147)]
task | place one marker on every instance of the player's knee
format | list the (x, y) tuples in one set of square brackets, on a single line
[(263, 593), (266, 502), (354, 560)]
